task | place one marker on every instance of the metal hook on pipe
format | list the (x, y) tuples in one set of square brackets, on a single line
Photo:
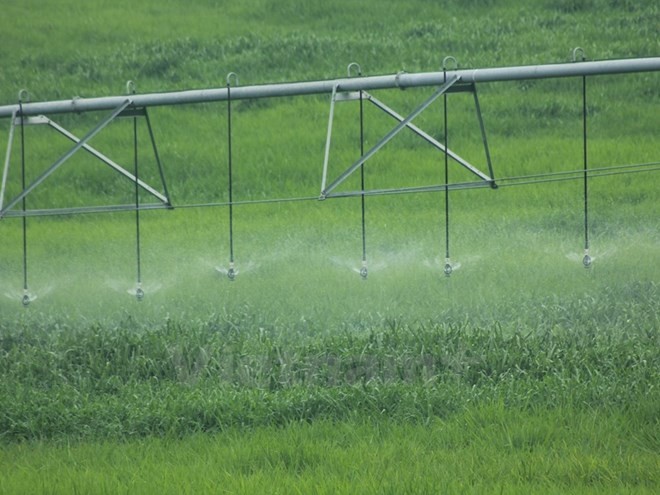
[(23, 95), (577, 50), (356, 66), (230, 76), (447, 59)]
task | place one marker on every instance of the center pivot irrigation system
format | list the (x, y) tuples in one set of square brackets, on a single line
[(354, 87)]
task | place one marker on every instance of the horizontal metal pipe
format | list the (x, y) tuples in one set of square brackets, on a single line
[(401, 80)]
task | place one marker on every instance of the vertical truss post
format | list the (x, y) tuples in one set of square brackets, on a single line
[(161, 171), (5, 171), (328, 139), (484, 139)]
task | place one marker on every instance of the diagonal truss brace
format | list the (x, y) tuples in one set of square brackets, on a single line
[(326, 190), (435, 143), (101, 125), (121, 111), (488, 179)]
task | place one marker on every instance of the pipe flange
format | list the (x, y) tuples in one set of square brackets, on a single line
[(397, 79)]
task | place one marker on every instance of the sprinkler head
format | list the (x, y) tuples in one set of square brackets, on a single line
[(363, 271), (26, 300), (231, 272), (587, 260), (139, 293), (448, 268)]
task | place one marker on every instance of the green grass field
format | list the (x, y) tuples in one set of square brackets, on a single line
[(523, 372)]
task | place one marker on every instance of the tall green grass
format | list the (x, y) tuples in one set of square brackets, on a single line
[(235, 370)]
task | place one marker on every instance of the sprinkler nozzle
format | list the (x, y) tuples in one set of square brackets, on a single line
[(587, 260), (363, 271), (139, 293), (26, 300), (448, 268)]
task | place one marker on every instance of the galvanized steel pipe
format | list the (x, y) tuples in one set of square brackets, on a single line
[(401, 80)]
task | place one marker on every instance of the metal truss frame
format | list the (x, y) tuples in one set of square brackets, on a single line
[(452, 85), (123, 110)]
